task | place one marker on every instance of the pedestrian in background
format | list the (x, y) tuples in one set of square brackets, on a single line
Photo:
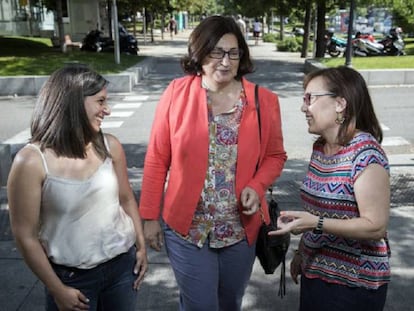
[(257, 29), (343, 254), (242, 26), (172, 26), (72, 211), (205, 138)]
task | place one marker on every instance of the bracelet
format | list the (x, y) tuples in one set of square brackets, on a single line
[(319, 226)]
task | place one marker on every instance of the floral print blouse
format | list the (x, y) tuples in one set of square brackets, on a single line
[(217, 217)]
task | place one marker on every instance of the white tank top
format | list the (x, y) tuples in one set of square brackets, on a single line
[(82, 223)]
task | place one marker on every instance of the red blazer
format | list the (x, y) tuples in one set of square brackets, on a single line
[(178, 148)]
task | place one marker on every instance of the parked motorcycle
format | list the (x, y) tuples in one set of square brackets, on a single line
[(95, 41), (394, 43), (391, 45), (334, 45)]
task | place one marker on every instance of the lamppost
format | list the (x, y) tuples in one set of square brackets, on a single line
[(116, 32), (348, 51)]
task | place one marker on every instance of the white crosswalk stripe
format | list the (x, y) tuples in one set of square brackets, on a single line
[(118, 107)]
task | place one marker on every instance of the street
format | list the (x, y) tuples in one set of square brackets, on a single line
[(131, 121)]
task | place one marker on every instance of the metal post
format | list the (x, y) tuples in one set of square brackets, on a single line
[(144, 23), (116, 32), (348, 51)]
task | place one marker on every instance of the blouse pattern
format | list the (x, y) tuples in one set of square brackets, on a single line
[(217, 217), (328, 190)]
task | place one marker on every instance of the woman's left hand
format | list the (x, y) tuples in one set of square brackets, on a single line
[(250, 201), (295, 222), (141, 267)]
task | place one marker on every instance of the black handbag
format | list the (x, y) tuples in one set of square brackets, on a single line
[(271, 250)]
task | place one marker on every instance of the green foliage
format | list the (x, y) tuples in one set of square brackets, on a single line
[(270, 37), (290, 44)]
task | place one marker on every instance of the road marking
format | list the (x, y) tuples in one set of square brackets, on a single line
[(127, 106), (384, 127), (20, 138), (395, 141), (111, 124), (120, 114), (135, 98)]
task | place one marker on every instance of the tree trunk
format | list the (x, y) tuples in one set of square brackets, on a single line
[(282, 28), (320, 35), (61, 30), (307, 26)]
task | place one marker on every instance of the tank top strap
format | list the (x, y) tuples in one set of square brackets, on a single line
[(35, 147)]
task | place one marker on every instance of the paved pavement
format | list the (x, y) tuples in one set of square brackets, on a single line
[(282, 72)]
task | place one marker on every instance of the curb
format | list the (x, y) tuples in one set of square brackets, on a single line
[(374, 77), (119, 83)]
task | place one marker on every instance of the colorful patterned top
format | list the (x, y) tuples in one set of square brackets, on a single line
[(217, 217), (328, 190)]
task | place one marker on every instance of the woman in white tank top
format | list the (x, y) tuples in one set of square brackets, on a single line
[(72, 210)]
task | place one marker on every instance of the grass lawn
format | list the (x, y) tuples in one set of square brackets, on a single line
[(36, 56), (377, 62)]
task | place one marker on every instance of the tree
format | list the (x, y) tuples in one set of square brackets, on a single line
[(307, 28)]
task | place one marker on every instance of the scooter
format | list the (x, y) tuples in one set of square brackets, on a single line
[(95, 41), (334, 45), (392, 45)]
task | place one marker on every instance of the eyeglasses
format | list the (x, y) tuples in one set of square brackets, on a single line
[(233, 54), (309, 98)]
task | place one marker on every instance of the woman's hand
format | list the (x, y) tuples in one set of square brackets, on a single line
[(295, 222), (153, 234), (71, 299), (295, 267), (141, 267), (250, 201)]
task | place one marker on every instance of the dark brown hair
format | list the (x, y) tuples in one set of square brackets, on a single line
[(59, 119), (359, 113), (204, 38)]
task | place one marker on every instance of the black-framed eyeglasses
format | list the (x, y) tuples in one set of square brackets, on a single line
[(233, 54), (309, 98)]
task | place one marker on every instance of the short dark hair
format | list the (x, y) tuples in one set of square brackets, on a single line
[(204, 38), (59, 119), (359, 113)]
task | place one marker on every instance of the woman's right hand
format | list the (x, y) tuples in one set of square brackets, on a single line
[(295, 267), (153, 234), (70, 299)]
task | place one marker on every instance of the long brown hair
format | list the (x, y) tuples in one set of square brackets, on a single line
[(59, 119), (359, 113)]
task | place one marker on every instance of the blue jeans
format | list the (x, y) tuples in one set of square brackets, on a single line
[(316, 294), (109, 286), (209, 279)]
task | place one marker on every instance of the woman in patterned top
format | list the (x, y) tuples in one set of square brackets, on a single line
[(205, 138), (343, 254)]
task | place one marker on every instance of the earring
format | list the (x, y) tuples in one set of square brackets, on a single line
[(340, 119)]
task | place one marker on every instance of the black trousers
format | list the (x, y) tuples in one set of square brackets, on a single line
[(316, 294)]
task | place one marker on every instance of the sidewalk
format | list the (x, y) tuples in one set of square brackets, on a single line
[(21, 291)]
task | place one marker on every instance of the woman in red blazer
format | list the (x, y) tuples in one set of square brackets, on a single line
[(207, 168)]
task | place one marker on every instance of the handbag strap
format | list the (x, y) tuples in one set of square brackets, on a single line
[(282, 282), (256, 101), (259, 121)]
